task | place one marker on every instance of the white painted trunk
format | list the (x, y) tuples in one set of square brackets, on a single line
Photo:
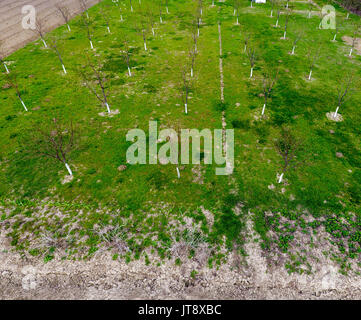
[(263, 109), (245, 48), (198, 32), (334, 37), (284, 35), (131, 9), (108, 29), (145, 46), (237, 22), (6, 68), (45, 45), (293, 50), (271, 13), (153, 31), (348, 15), (64, 69), (108, 108), (186, 108), (251, 75), (22, 102), (277, 23), (336, 112), (121, 17), (167, 10), (234, 12), (91, 44), (310, 75), (160, 19), (280, 178), (287, 5), (351, 52), (192, 72), (129, 72), (178, 173), (69, 28), (69, 170), (309, 14)]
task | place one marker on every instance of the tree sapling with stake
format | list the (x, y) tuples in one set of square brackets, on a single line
[(269, 81), (288, 147), (313, 55), (185, 89), (54, 46), (39, 29), (13, 83), (93, 80), (53, 140), (344, 90), (65, 13), (2, 56), (251, 54)]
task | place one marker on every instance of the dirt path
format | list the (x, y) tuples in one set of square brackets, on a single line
[(12, 33)]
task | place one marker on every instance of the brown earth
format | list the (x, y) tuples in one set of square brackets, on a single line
[(12, 34)]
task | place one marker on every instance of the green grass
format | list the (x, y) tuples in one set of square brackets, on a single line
[(146, 205)]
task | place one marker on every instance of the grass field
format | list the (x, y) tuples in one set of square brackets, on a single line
[(142, 209)]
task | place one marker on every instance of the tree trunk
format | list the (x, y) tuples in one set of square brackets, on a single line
[(280, 178), (251, 75), (22, 102), (64, 69), (186, 108), (69, 170), (108, 108), (263, 109), (310, 75), (130, 74), (69, 28), (178, 173), (6, 68), (293, 50), (45, 45)]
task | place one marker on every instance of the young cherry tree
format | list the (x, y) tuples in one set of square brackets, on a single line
[(195, 33), (13, 83), (278, 15), (313, 55), (65, 14), (251, 54), (287, 19), (105, 17), (288, 146), (53, 140), (94, 80), (54, 46), (344, 90), (269, 81), (84, 7), (185, 88), (131, 5), (192, 55), (236, 6), (116, 2), (40, 30), (246, 41), (274, 3), (337, 30), (126, 54), (356, 32), (298, 37), (151, 18), (166, 6), (142, 29), (2, 57), (160, 4), (87, 24), (310, 7)]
